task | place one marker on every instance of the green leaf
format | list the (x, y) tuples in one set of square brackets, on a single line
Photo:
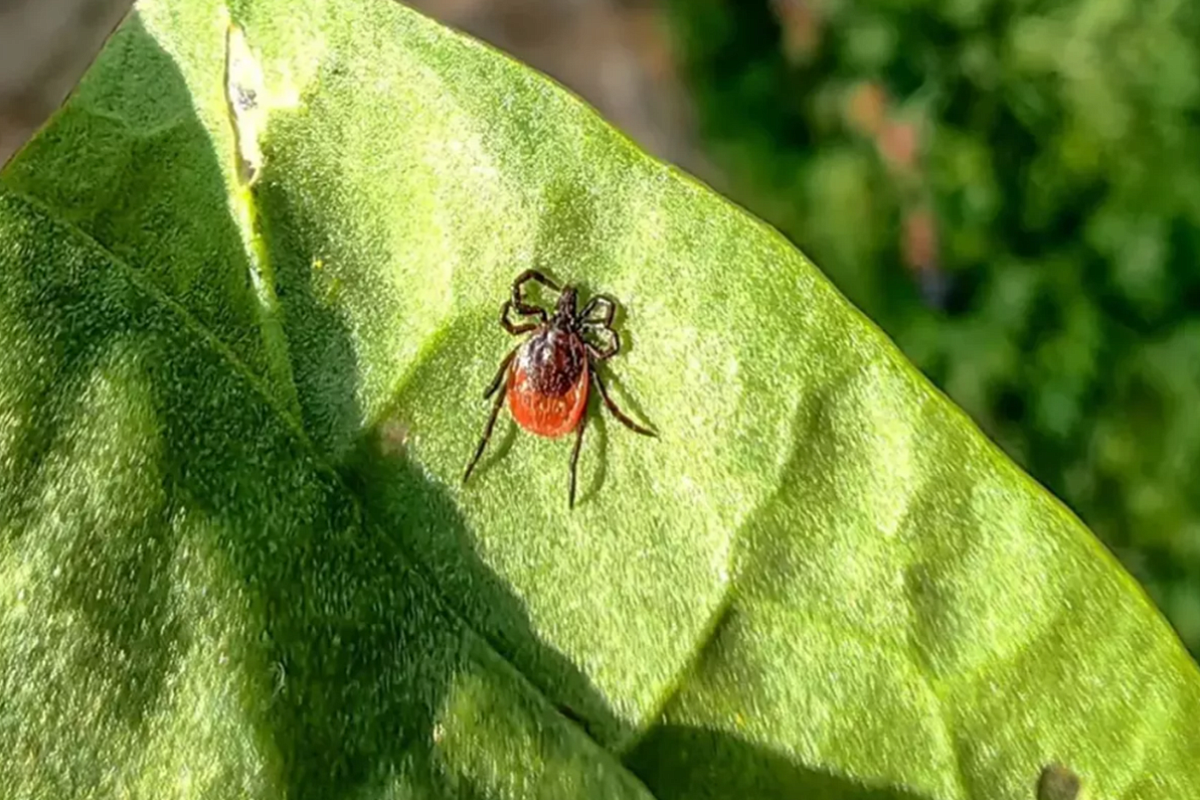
[(236, 557)]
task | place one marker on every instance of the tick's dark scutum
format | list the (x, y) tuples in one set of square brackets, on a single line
[(553, 359)]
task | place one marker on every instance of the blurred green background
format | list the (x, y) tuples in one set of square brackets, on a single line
[(1011, 189)]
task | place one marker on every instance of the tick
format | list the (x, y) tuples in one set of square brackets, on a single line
[(546, 378)]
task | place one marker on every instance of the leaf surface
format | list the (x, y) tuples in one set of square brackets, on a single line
[(237, 557)]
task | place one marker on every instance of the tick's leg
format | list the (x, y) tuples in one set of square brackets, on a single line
[(575, 459), (613, 348), (487, 434), (610, 308), (616, 412), (524, 327), (495, 384), (518, 296)]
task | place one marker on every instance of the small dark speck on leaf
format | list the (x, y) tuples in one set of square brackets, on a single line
[(1058, 783), (246, 98)]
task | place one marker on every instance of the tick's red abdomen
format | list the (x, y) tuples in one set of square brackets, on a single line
[(548, 383)]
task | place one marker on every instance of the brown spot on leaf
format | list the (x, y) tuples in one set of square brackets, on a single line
[(1058, 783)]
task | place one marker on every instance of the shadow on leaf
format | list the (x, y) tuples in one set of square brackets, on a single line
[(695, 763)]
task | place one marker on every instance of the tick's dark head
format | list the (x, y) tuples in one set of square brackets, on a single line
[(567, 309)]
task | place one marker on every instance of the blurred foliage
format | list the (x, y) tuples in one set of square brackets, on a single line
[(1011, 189)]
